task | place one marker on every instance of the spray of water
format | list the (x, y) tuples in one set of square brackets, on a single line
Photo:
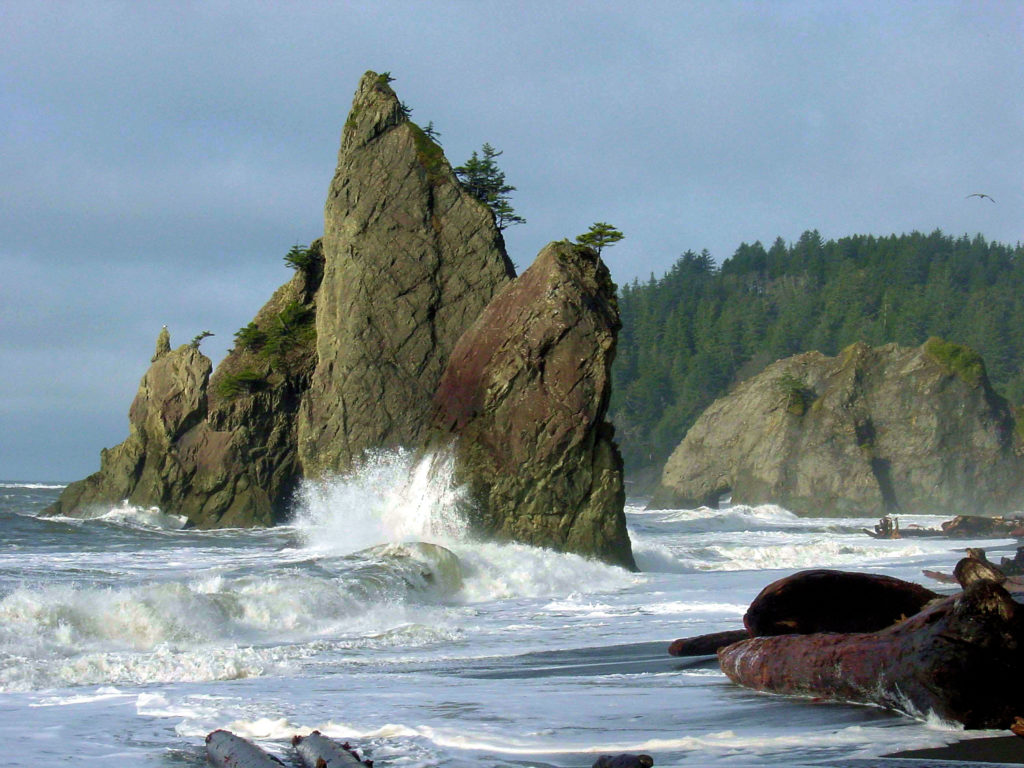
[(391, 498)]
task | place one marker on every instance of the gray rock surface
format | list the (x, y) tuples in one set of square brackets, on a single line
[(523, 403), (868, 432), (411, 260)]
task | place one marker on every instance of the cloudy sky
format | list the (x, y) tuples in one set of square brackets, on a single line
[(158, 159)]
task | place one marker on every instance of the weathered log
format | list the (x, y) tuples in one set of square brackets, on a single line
[(945, 578), (226, 750), (959, 658), (974, 569), (706, 645), (833, 601), (318, 751), (973, 526), (623, 761)]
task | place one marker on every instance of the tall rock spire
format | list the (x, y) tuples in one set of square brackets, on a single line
[(411, 261)]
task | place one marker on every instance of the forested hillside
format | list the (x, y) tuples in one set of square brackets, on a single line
[(691, 334)]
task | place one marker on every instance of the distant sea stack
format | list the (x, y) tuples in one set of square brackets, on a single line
[(220, 450), (524, 401), (347, 357), (869, 432)]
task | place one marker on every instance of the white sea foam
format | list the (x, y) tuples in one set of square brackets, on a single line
[(389, 499), (865, 742), (131, 515), (393, 499), (33, 486)]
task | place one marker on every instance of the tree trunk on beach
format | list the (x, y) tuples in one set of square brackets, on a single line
[(226, 750), (317, 750), (818, 601), (959, 658)]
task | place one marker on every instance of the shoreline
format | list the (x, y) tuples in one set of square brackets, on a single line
[(989, 749)]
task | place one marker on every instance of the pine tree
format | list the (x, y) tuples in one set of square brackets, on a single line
[(600, 235), (485, 181)]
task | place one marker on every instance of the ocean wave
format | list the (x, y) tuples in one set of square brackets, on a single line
[(34, 486), (223, 626), (814, 552), (130, 516), (391, 498)]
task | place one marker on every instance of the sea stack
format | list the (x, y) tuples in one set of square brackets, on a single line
[(347, 358), (522, 404), (411, 260), (872, 431)]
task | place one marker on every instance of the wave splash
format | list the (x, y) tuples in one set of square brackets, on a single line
[(391, 498)]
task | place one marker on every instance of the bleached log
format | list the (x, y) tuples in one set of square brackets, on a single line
[(318, 751), (226, 750)]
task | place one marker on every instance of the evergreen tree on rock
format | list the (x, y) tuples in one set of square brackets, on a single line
[(600, 235), (485, 181)]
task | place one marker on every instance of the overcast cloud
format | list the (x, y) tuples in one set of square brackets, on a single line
[(158, 159)]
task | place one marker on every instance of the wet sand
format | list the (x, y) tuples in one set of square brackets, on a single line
[(993, 749)]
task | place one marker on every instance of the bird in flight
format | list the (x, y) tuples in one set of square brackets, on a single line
[(982, 196)]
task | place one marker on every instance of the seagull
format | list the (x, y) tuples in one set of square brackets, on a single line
[(982, 196)]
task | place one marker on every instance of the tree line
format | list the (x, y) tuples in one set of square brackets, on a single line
[(690, 335)]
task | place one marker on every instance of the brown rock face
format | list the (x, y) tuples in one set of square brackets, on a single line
[(523, 400), (866, 433), (144, 469), (220, 451), (411, 261)]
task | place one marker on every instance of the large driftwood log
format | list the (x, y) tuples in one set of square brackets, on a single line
[(318, 751), (706, 645), (959, 658), (623, 761), (225, 750), (833, 601), (818, 601)]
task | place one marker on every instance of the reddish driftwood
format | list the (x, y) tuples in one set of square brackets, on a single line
[(318, 751), (706, 645), (833, 601), (226, 750), (818, 601), (972, 526), (959, 658)]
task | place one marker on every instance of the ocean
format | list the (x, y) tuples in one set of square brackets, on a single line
[(124, 639)]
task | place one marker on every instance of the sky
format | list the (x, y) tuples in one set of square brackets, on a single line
[(159, 159)]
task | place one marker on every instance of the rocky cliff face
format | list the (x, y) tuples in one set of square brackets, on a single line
[(869, 432), (522, 404), (171, 403), (411, 260), (347, 357), (220, 451)]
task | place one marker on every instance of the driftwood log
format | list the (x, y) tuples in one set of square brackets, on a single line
[(833, 601), (623, 761), (318, 751), (706, 645), (818, 601), (226, 750), (960, 658)]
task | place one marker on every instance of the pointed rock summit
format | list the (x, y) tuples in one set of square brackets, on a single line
[(411, 260), (347, 357), (523, 404)]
